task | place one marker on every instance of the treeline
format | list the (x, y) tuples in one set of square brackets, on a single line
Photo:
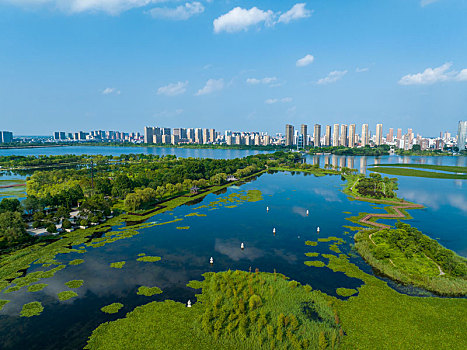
[(355, 151), (375, 186)]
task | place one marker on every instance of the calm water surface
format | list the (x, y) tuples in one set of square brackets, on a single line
[(185, 253)]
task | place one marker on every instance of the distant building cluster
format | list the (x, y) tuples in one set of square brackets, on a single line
[(97, 135), (158, 135), (347, 136), (6, 137)]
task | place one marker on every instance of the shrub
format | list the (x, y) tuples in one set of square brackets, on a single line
[(51, 228), (66, 224)]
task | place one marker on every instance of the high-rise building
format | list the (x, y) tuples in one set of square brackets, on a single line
[(148, 134), (212, 135), (205, 135), (289, 135), (199, 135), (379, 134), (462, 135), (351, 142), (190, 133), (365, 135), (6, 137), (344, 131), (327, 136), (304, 132), (399, 133), (335, 135), (317, 135), (390, 137)]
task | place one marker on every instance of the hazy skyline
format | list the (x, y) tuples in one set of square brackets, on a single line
[(241, 65)]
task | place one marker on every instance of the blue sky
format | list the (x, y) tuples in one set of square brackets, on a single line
[(240, 65)]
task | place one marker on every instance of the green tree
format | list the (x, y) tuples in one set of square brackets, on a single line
[(12, 229)]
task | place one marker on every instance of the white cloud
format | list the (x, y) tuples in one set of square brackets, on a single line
[(173, 89), (298, 11), (271, 101), (361, 70), (182, 12), (434, 75), (110, 91), (266, 80), (423, 3), (332, 77), (305, 61), (240, 19), (211, 86)]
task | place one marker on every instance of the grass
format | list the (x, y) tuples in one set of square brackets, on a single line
[(3, 303), (76, 262), (112, 308), (183, 227), (312, 255), (416, 173), (148, 291), (118, 265), (66, 295), (449, 168), (235, 310), (37, 287), (32, 309), (311, 243), (148, 258), (381, 318), (74, 283), (330, 239), (345, 292), (315, 263)]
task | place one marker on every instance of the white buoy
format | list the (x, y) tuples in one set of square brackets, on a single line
[(242, 246), (211, 260), (267, 208), (307, 212), (274, 230), (317, 230), (188, 304)]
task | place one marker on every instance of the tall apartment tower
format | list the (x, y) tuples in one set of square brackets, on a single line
[(205, 135), (289, 135), (304, 132), (212, 135), (199, 135), (390, 135), (365, 135), (462, 135), (399, 134), (351, 142), (148, 133), (327, 136), (317, 135), (379, 134), (344, 131), (335, 135)]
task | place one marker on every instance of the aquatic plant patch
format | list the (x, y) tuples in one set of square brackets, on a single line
[(311, 243), (76, 262), (183, 227), (312, 255), (345, 292), (66, 295), (118, 265), (148, 258), (315, 263), (112, 308), (74, 284), (3, 303), (148, 291), (34, 308), (37, 287)]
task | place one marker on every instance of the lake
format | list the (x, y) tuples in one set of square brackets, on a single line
[(215, 227)]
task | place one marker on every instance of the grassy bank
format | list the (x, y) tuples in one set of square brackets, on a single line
[(416, 173), (449, 168), (236, 310)]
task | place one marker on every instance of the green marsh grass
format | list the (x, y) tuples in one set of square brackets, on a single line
[(34, 308), (74, 284), (66, 295), (148, 291), (118, 265), (112, 308), (37, 287)]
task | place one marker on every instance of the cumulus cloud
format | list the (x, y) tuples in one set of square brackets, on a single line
[(211, 86), (271, 101), (241, 19), (173, 89), (434, 75), (297, 11), (266, 80), (179, 13), (110, 91), (305, 61), (332, 77)]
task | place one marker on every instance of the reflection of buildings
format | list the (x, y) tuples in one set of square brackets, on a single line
[(350, 162), (377, 161), (363, 165), (342, 162), (326, 161), (334, 161), (316, 160)]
